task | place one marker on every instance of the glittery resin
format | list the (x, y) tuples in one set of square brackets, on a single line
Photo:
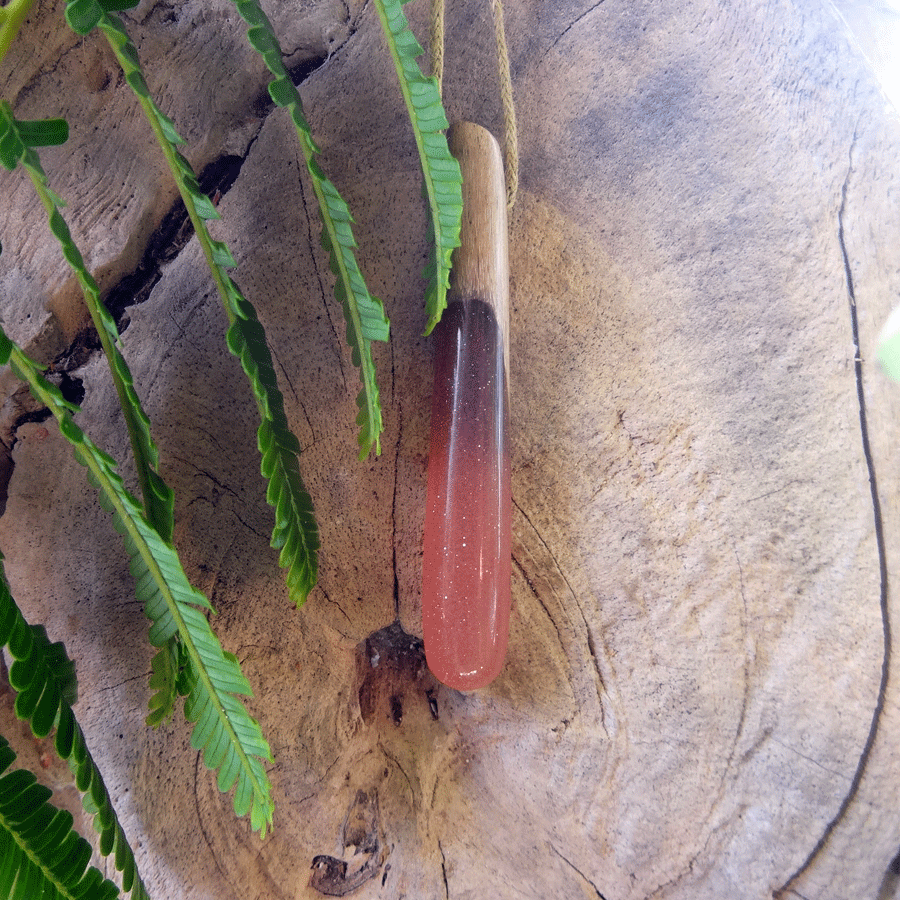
[(466, 566)]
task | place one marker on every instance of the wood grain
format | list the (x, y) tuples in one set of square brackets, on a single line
[(698, 633), (481, 262)]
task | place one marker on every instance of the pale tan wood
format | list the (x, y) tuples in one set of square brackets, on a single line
[(696, 637), (481, 262)]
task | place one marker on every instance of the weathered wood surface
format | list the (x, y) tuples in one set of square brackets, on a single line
[(708, 193)]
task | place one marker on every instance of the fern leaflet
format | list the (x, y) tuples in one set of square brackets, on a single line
[(12, 15), (295, 534), (44, 678), (231, 740), (17, 139), (169, 667), (364, 314), (440, 171)]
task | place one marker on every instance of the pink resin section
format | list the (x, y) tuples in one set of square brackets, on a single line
[(467, 561)]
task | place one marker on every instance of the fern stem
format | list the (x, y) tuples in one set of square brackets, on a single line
[(17, 142), (295, 533), (368, 399), (25, 369), (440, 171), (364, 314), (116, 37), (157, 496)]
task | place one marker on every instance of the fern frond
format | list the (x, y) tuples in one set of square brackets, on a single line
[(43, 677), (41, 854), (363, 313), (232, 741), (295, 534), (18, 139), (440, 171)]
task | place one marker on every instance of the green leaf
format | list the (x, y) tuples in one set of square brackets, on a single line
[(43, 677), (173, 606), (12, 147), (118, 5), (43, 132), (83, 15), (440, 171), (295, 533), (364, 314)]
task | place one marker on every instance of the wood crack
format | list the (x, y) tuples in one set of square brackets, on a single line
[(569, 27), (171, 236), (444, 871), (866, 751), (745, 698), (322, 291), (578, 871), (589, 636), (394, 497)]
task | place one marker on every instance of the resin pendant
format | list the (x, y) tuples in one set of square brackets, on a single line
[(466, 568)]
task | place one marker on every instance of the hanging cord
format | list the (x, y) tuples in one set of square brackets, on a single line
[(510, 131), (437, 42)]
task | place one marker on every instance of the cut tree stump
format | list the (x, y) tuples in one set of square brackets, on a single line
[(704, 472)]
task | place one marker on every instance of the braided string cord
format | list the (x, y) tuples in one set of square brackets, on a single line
[(510, 130), (437, 41)]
